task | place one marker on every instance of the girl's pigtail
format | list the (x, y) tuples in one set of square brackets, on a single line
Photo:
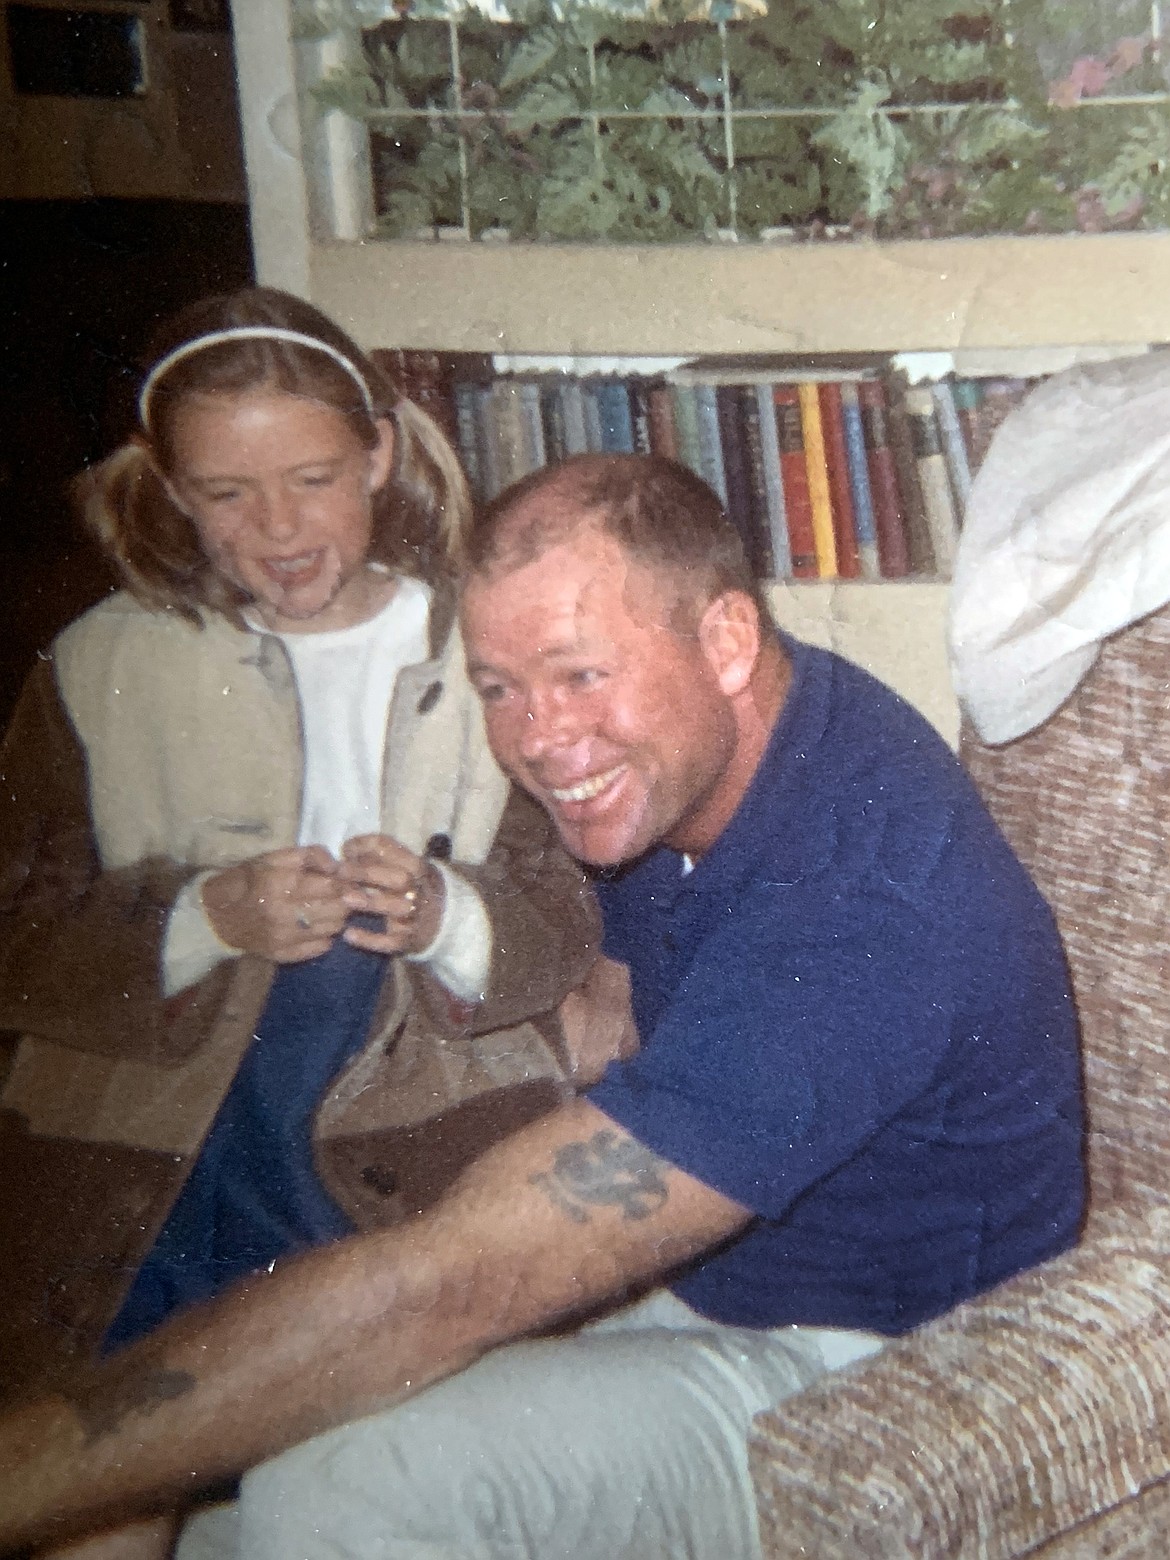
[(151, 544), (428, 469)]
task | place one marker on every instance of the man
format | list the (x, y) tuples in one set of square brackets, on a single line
[(855, 1103)]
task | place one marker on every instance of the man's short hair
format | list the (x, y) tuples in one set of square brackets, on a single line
[(659, 511)]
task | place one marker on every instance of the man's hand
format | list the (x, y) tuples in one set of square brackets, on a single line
[(286, 906), (598, 1022), (380, 877)]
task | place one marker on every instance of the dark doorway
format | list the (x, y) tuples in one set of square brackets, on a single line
[(82, 284)]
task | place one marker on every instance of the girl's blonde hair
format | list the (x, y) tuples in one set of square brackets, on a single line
[(422, 515)]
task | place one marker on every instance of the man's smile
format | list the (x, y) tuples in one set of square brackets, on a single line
[(586, 790)]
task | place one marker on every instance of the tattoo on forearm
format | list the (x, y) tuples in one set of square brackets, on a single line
[(104, 1402), (607, 1171)]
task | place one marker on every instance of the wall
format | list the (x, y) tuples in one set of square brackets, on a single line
[(179, 139)]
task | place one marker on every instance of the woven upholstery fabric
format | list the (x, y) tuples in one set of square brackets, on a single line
[(1085, 801), (1031, 1418), (1011, 1420), (1139, 1530)]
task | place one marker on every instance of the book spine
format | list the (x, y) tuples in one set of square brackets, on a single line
[(953, 446), (685, 402), (859, 482), (532, 452), (1000, 397), (736, 476), (818, 480), (613, 407), (488, 440), (639, 393), (572, 398), (794, 469), (467, 440), (663, 434), (919, 547), (933, 476), (593, 424), (710, 446), (968, 395), (885, 491), (510, 434), (552, 418), (760, 557), (773, 480), (840, 491)]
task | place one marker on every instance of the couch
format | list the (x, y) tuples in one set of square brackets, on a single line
[(1036, 1420)]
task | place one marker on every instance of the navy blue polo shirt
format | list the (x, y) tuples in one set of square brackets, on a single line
[(856, 1022)]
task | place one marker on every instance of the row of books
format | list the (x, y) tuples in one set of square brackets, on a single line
[(830, 473)]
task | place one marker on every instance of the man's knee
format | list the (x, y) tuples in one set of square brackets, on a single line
[(210, 1534)]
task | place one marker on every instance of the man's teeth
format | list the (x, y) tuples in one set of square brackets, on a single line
[(586, 789)]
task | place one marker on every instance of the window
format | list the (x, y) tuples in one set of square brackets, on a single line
[(79, 53), (925, 118)]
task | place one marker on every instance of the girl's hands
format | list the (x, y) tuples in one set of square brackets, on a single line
[(378, 876), (290, 904), (286, 906)]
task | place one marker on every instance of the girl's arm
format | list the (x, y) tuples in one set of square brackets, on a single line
[(546, 928), (80, 948), (527, 917)]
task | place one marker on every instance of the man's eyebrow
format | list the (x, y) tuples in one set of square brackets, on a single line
[(564, 650), (476, 668)]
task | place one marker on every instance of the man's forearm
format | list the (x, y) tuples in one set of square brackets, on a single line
[(559, 1217), (294, 1353)]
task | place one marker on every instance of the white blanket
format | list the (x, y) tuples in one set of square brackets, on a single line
[(1066, 540)]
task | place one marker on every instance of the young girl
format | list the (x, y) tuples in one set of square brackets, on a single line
[(263, 892)]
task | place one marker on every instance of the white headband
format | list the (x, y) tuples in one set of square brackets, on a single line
[(246, 333)]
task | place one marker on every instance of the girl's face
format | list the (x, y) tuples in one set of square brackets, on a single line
[(280, 490)]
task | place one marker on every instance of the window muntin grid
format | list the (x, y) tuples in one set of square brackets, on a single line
[(878, 131)]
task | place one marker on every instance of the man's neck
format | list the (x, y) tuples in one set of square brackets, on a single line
[(756, 711)]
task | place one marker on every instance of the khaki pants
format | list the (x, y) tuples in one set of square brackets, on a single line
[(624, 1441)]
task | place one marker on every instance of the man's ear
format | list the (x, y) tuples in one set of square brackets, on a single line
[(381, 456), (729, 636)]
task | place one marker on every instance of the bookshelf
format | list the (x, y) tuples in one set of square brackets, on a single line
[(968, 295)]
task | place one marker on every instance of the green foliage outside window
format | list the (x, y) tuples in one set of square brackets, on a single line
[(834, 118)]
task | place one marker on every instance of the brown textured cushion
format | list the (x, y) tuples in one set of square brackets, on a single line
[(1018, 1419), (1014, 1418), (1085, 801)]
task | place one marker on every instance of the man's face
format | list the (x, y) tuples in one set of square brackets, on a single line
[(614, 721)]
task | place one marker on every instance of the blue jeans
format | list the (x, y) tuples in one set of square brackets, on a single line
[(253, 1196)]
